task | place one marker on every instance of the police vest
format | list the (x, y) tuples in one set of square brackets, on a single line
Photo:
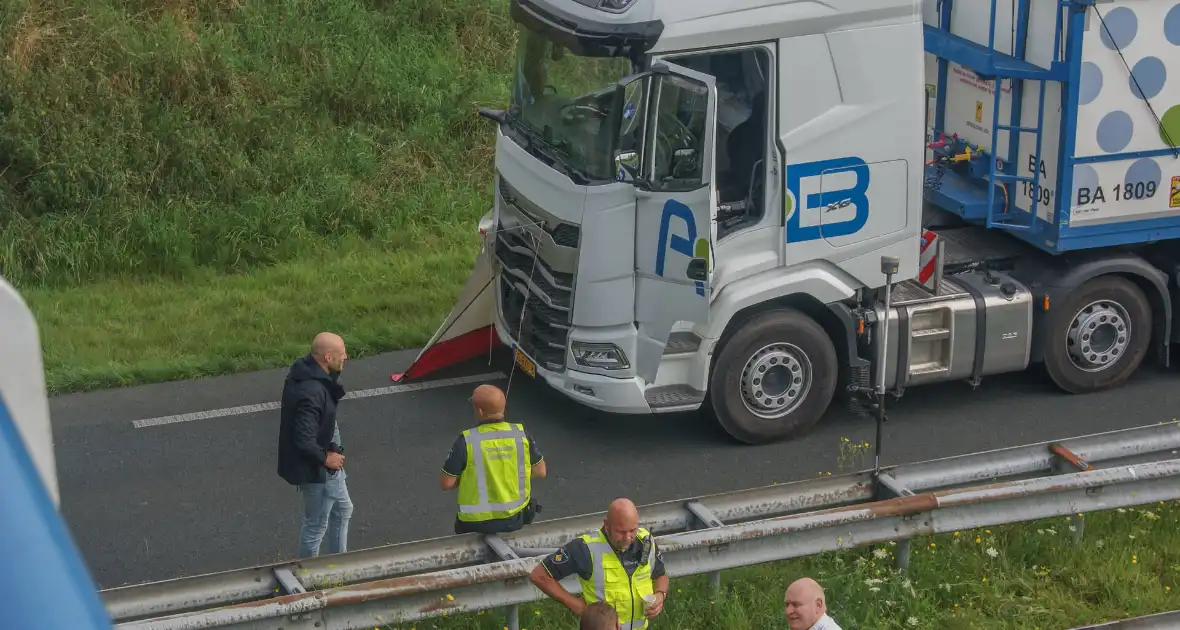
[(497, 480), (609, 581)]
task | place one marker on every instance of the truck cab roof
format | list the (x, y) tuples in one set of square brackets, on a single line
[(685, 24)]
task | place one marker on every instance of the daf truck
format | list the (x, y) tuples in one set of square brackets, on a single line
[(754, 207)]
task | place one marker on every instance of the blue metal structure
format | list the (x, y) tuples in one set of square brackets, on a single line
[(44, 585), (980, 189)]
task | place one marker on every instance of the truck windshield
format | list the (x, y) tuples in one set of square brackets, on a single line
[(562, 106)]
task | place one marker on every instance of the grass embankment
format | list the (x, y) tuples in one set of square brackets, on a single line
[(195, 187), (1026, 576)]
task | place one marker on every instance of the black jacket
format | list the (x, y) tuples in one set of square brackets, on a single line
[(308, 421)]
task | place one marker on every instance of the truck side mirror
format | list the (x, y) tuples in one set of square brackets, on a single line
[(626, 164)]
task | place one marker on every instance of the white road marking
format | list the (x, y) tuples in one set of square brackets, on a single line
[(362, 393)]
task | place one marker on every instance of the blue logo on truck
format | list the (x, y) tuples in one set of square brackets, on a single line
[(827, 199), (679, 244)]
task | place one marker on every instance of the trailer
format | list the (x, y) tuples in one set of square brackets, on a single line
[(753, 207)]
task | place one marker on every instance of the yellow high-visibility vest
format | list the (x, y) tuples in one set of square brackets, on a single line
[(609, 581), (497, 480)]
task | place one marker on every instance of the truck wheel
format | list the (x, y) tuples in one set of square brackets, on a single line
[(1098, 336), (774, 378)]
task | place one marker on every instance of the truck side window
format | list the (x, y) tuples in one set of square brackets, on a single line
[(678, 140)]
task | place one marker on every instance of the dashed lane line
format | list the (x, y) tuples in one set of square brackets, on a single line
[(362, 393)]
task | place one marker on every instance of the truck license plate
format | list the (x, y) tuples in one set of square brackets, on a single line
[(526, 364)]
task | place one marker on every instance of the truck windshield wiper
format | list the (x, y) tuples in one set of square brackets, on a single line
[(554, 156)]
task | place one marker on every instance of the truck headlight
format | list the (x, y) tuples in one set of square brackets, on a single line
[(605, 356), (615, 6)]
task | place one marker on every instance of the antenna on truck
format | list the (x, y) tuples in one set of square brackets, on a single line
[(889, 267)]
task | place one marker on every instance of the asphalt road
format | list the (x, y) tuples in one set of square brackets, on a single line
[(202, 495)]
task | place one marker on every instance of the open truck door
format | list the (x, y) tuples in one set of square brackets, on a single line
[(468, 331), (674, 214)]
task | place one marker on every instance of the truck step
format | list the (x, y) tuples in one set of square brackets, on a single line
[(668, 397), (928, 369), (931, 334), (686, 342)]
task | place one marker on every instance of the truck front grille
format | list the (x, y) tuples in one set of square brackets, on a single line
[(540, 330), (536, 300), (522, 263), (563, 234)]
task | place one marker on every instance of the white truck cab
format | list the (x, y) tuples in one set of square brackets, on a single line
[(694, 200)]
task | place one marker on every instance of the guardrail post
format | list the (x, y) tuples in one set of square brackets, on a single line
[(504, 552), (287, 581), (706, 517), (1066, 460), (888, 487), (903, 555)]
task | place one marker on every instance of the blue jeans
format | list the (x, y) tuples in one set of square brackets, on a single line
[(326, 510)]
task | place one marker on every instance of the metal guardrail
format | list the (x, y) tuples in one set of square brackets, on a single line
[(1162, 621), (412, 581)]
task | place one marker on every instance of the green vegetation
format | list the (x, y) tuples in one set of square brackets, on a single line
[(198, 187), (1027, 576)]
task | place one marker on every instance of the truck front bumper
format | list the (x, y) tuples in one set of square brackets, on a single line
[(604, 393)]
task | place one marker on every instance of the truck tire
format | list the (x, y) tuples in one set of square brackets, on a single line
[(774, 378), (1098, 336)]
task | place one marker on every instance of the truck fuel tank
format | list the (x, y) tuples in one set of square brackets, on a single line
[(979, 323)]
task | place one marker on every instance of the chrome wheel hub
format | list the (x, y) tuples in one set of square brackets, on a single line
[(775, 380), (1098, 336)]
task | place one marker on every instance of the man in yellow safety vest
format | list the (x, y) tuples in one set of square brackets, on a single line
[(619, 564), (493, 466)]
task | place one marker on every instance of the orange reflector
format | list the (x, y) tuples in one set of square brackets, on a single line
[(1046, 305), (860, 327)]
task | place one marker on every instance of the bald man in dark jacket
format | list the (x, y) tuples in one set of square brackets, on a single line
[(311, 456)]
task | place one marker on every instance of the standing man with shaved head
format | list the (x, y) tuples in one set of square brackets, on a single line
[(493, 466), (311, 456), (806, 606), (618, 564)]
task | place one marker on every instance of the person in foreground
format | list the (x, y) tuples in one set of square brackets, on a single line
[(310, 453), (806, 606), (493, 466), (599, 616), (618, 564)]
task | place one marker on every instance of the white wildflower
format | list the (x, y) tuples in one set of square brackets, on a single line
[(881, 554), (912, 622), (991, 551)]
